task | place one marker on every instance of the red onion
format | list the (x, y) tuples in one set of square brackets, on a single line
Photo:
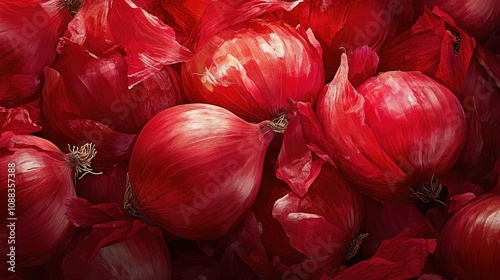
[(289, 236), (29, 32), (396, 133), (469, 244), (478, 19), (38, 177), (434, 46), (75, 109), (149, 44), (116, 248), (251, 67), (351, 24), (199, 177)]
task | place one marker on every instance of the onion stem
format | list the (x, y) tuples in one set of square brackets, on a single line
[(83, 156), (428, 194), (279, 124), (128, 201), (355, 244)]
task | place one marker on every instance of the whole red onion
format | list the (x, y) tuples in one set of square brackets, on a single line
[(195, 169), (394, 134), (478, 19), (469, 244), (38, 177), (252, 68), (117, 246)]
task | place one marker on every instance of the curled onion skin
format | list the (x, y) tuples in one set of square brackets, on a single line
[(286, 235), (195, 169), (469, 244), (351, 24), (42, 177), (252, 68), (396, 131)]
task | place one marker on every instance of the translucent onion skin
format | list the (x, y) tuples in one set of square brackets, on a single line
[(479, 18), (43, 179), (196, 168), (252, 68), (469, 244), (396, 131)]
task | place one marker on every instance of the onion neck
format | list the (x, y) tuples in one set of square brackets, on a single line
[(128, 201), (428, 192), (354, 245), (279, 124), (72, 5), (82, 157)]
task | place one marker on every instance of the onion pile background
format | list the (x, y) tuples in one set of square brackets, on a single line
[(250, 139)]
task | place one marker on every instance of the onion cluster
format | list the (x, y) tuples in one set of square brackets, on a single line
[(249, 139)]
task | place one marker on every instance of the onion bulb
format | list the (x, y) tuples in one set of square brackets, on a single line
[(195, 169), (469, 244), (38, 177), (251, 68), (393, 136)]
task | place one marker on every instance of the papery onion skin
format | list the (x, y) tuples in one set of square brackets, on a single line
[(252, 68), (43, 178), (398, 131), (86, 98), (480, 19), (469, 243), (435, 46), (195, 169), (351, 24), (149, 43), (286, 234)]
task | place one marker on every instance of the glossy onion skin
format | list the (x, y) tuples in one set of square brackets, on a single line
[(195, 169), (397, 130), (469, 244), (252, 68), (43, 179)]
